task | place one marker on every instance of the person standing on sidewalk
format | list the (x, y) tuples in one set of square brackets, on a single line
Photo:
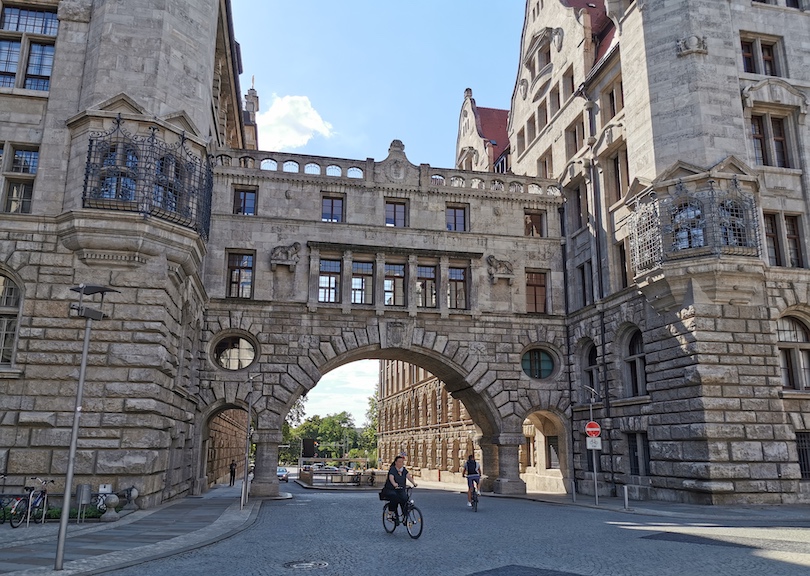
[(233, 472), (472, 470)]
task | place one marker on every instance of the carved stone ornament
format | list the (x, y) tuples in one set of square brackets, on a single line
[(396, 171), (692, 45), (477, 348), (285, 255), (75, 10), (499, 269), (395, 334), (524, 88)]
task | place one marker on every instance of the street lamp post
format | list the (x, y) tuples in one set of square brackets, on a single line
[(593, 393), (244, 498), (89, 314)]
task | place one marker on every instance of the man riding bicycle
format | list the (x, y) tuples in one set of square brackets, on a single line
[(472, 470)]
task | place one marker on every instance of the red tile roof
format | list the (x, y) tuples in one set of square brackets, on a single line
[(492, 124), (596, 8)]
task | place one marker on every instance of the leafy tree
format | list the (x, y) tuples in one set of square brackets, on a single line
[(291, 443), (368, 436)]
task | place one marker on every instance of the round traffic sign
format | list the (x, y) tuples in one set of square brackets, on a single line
[(593, 429)]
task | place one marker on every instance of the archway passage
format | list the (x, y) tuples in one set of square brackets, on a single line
[(223, 442), (544, 458)]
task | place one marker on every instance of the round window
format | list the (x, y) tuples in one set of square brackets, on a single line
[(234, 353), (538, 364)]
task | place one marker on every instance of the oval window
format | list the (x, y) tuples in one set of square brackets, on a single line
[(234, 353), (538, 364)]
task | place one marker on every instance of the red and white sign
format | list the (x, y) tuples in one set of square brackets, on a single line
[(593, 429)]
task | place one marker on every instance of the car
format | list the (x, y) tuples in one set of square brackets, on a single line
[(283, 475)]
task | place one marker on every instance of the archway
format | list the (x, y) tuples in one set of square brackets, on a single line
[(544, 458), (221, 439)]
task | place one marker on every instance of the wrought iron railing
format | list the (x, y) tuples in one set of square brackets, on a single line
[(144, 174), (690, 224)]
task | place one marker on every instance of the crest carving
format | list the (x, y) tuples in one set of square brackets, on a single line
[(285, 255)]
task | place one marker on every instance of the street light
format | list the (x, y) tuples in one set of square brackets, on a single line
[(244, 498), (89, 314), (594, 394)]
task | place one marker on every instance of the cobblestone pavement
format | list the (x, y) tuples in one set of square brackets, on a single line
[(339, 533)]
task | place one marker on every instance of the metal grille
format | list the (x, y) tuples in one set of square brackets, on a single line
[(130, 173), (709, 221), (803, 446)]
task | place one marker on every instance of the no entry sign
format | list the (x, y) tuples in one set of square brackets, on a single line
[(593, 429)]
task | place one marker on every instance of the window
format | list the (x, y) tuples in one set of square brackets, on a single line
[(591, 370), (793, 3), (732, 224), (531, 130), (394, 285), (574, 137), (9, 311), (612, 101), (688, 226), (28, 34), (456, 218), (329, 281), (585, 273), (638, 452), (119, 172), (396, 213), (624, 265), (803, 447), (783, 240), (20, 181), (537, 363), (521, 141), (234, 353), (534, 223), (618, 179), (332, 209), (244, 202), (636, 372), (545, 168), (554, 100), (457, 289), (362, 283), (240, 275), (542, 116), (794, 352), (426, 286), (580, 213), (770, 140), (568, 83), (536, 292), (760, 56), (552, 452), (168, 183)]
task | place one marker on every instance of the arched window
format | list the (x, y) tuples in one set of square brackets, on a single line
[(636, 373), (168, 183), (333, 170), (9, 312), (591, 371), (290, 166), (688, 226), (119, 170), (312, 168), (269, 164), (794, 352), (732, 224), (354, 172)]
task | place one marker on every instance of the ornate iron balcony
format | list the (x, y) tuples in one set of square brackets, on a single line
[(131, 173)]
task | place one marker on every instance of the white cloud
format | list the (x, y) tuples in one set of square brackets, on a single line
[(290, 122), (345, 388)]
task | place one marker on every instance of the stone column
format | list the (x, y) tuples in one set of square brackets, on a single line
[(508, 481), (265, 481), (489, 463)]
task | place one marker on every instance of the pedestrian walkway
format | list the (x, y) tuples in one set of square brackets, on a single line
[(140, 536), (192, 522)]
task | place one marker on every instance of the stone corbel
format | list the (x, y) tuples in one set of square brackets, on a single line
[(693, 44)]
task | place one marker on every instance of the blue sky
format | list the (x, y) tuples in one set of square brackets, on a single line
[(346, 78)]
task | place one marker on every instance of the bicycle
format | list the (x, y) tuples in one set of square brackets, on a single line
[(370, 479), (474, 498), (412, 518), (34, 507), (4, 502)]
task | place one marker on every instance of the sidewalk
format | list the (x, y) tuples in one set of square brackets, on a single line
[(140, 536), (192, 522)]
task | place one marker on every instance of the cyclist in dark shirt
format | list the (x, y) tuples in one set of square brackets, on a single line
[(472, 470), (394, 489)]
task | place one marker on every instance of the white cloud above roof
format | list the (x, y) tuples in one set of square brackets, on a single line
[(290, 122)]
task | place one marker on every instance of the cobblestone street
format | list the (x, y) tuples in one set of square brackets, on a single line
[(342, 533)]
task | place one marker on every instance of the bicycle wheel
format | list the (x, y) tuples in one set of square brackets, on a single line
[(475, 502), (18, 513), (389, 519), (414, 522), (37, 513)]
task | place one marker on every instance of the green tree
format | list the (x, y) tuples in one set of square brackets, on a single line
[(368, 436), (290, 448)]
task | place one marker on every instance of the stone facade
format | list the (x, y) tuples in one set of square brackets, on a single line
[(674, 286)]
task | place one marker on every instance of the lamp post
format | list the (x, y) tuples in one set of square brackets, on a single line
[(89, 314), (244, 497), (594, 394)]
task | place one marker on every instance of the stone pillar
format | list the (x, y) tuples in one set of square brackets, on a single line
[(489, 463), (265, 481), (508, 481)]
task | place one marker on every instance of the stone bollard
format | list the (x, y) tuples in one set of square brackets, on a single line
[(111, 501)]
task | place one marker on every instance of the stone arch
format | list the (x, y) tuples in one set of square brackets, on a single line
[(209, 463), (546, 457)]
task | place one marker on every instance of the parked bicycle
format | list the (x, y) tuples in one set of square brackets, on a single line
[(34, 507), (412, 518), (5, 501)]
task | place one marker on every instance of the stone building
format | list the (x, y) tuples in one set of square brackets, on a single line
[(649, 246), (677, 132)]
